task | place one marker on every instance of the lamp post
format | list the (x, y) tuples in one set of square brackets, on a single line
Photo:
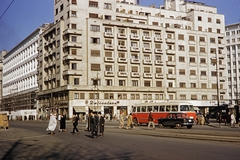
[(215, 62)]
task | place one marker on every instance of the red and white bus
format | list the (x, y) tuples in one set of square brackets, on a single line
[(140, 111)]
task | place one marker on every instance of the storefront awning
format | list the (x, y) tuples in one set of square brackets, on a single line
[(79, 109), (95, 108)]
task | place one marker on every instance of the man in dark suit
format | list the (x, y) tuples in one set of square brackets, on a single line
[(94, 124), (75, 123), (101, 124)]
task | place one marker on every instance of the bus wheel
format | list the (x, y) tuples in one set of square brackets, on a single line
[(160, 125), (135, 121), (177, 125)]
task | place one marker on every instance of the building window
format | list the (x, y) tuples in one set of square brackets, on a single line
[(182, 96), (204, 97), (76, 96), (182, 85), (203, 73), (95, 40), (108, 96), (76, 81), (93, 15), (209, 19), (202, 39), (74, 1), (181, 71), (192, 59), (193, 85), (74, 39), (82, 95), (95, 53), (121, 83), (147, 84), (108, 82), (95, 28), (107, 6), (202, 60), (95, 67), (181, 37), (93, 4), (135, 83), (158, 83), (191, 38), (74, 66), (73, 13), (202, 49), (212, 40), (199, 18), (192, 72)]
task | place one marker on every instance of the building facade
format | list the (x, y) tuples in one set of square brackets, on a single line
[(233, 56), (109, 55), (20, 77)]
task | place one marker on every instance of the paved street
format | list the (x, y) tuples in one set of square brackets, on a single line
[(29, 140)]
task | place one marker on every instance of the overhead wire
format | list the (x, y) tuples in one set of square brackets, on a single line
[(7, 9)]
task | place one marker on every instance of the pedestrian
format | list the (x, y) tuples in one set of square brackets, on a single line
[(130, 122), (121, 120), (151, 120), (101, 124), (219, 118), (94, 125), (62, 123), (75, 123), (52, 124), (233, 120)]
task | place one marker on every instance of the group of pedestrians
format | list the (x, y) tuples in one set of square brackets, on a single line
[(96, 120), (129, 119)]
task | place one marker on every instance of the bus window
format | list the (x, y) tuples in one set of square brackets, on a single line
[(155, 108), (149, 108), (138, 109), (134, 109), (162, 108), (143, 109), (184, 108), (174, 108), (168, 108)]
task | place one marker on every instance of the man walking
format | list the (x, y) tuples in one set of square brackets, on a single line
[(150, 120), (75, 123)]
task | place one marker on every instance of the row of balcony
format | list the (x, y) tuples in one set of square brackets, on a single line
[(157, 75), (132, 36), (137, 61)]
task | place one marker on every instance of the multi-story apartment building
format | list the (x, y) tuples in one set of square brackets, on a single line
[(2, 53), (233, 57), (109, 55), (20, 77)]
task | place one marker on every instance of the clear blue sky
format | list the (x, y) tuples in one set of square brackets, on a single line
[(24, 16)]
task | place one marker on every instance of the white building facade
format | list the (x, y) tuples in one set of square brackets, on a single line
[(109, 55), (20, 77)]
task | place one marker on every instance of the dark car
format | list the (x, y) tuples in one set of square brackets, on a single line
[(176, 120)]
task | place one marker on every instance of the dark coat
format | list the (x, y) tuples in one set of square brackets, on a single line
[(75, 121), (101, 124), (150, 116), (63, 122)]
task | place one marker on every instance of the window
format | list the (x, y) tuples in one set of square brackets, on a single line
[(202, 60), (95, 53), (73, 14), (158, 83), (108, 95), (204, 97), (203, 73), (182, 96), (74, 26), (192, 48), (191, 38), (76, 81), (107, 6), (212, 40), (192, 72), (95, 28), (202, 49), (192, 59), (181, 59), (74, 66), (147, 84), (182, 72), (218, 21), (181, 37), (199, 28), (76, 96), (204, 85), (202, 39), (134, 82), (74, 1), (209, 29), (95, 67), (121, 83), (93, 4), (181, 48), (170, 84), (209, 19), (95, 40), (93, 15), (108, 82), (74, 39), (193, 85), (199, 18), (182, 85), (73, 51)]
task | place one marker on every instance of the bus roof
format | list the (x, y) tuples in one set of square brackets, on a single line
[(162, 103)]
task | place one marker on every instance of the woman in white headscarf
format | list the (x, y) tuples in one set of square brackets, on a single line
[(52, 124)]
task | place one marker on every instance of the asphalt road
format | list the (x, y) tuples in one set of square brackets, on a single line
[(29, 140)]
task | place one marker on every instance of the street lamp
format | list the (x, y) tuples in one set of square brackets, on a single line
[(214, 61)]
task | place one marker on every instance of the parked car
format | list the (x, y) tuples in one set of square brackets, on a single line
[(177, 120)]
